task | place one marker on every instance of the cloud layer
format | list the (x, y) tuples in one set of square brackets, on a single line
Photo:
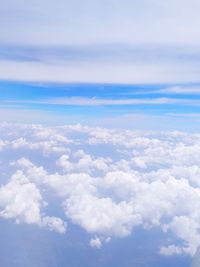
[(100, 41), (66, 22), (109, 182)]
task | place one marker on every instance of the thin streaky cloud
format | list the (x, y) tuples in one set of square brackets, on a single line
[(189, 115), (180, 90), (172, 90), (84, 101)]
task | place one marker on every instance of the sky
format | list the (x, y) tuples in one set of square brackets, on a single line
[(107, 41), (99, 133), (145, 107)]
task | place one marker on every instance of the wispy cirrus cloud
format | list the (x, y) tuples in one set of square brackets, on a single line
[(92, 101), (184, 90)]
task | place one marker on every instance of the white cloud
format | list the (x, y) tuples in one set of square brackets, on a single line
[(180, 90), (117, 22), (172, 249), (81, 101), (108, 26), (21, 199), (139, 179), (84, 163), (54, 224), (143, 71), (101, 215), (95, 243)]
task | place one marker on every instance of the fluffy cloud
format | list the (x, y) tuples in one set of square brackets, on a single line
[(84, 163), (95, 243), (107, 181), (22, 200)]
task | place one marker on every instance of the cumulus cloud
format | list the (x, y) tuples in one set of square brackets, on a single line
[(109, 182), (54, 224), (22, 200), (95, 243)]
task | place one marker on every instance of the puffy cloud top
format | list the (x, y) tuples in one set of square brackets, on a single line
[(109, 182)]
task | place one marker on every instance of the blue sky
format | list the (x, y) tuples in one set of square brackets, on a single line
[(63, 59), (167, 106)]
